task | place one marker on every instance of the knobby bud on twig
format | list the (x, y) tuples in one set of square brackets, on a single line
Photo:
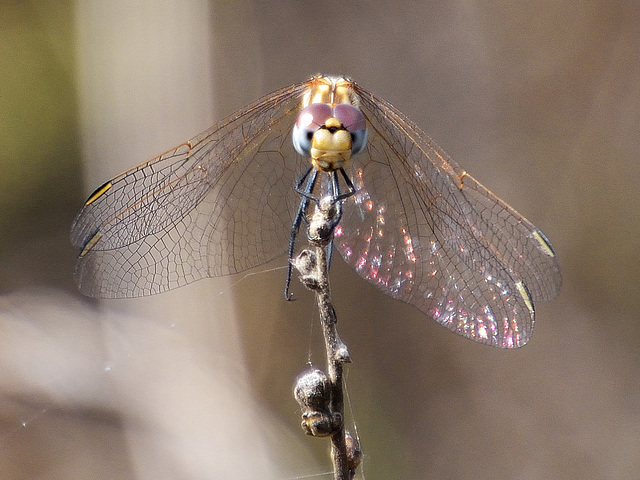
[(313, 393)]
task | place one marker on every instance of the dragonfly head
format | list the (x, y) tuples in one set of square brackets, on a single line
[(330, 135)]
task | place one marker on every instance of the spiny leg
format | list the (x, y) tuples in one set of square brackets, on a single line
[(310, 176)]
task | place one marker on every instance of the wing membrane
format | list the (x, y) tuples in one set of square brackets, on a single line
[(428, 234), (218, 204)]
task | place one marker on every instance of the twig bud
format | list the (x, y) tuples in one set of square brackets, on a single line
[(324, 220), (305, 263), (313, 393), (354, 453), (342, 354)]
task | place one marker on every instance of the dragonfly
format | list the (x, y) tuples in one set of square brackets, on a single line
[(413, 222)]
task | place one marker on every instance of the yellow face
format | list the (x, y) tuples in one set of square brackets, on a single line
[(331, 146)]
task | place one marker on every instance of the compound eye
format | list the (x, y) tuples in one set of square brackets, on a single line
[(350, 117), (309, 120), (314, 116)]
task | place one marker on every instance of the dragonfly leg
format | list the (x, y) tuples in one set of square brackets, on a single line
[(310, 176), (307, 192), (337, 198), (351, 190), (304, 187)]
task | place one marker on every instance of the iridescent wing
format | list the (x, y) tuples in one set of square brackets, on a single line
[(426, 233), (216, 205)]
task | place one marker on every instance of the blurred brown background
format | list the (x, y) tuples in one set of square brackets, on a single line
[(538, 100)]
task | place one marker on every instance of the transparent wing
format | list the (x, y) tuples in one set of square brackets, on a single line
[(427, 233), (216, 205)]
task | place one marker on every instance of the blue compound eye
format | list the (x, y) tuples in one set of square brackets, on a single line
[(309, 120), (358, 141)]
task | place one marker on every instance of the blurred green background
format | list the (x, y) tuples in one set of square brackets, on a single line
[(540, 101), (40, 174)]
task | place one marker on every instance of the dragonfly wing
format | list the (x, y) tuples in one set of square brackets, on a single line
[(427, 234), (216, 205), (520, 245)]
